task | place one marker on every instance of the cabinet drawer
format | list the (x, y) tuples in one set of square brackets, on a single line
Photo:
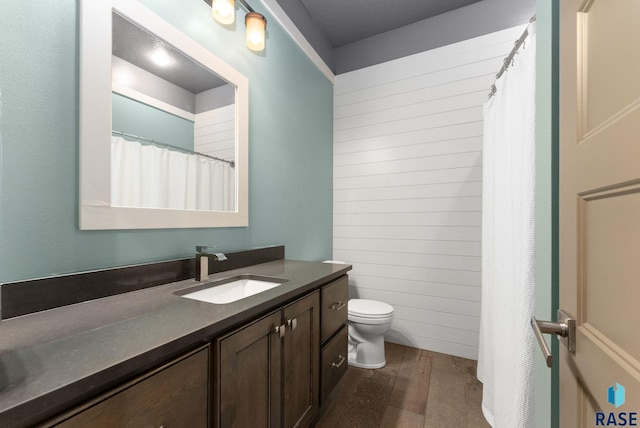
[(175, 395), (334, 362), (334, 298)]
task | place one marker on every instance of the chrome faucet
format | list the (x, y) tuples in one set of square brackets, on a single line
[(203, 253)]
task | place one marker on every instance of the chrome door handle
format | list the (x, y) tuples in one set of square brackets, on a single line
[(565, 329)]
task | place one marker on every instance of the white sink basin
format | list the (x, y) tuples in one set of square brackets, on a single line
[(233, 289)]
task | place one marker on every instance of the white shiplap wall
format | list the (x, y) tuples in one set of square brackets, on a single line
[(214, 132), (408, 188)]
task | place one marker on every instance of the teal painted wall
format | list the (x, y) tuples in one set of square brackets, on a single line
[(136, 118), (290, 143), (546, 406)]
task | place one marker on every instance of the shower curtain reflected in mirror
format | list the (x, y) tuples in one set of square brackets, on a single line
[(506, 351), (148, 176)]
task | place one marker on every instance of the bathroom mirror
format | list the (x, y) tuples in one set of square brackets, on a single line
[(191, 112)]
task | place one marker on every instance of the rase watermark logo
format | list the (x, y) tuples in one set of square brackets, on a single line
[(616, 397)]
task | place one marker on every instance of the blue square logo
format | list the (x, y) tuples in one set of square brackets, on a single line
[(616, 395)]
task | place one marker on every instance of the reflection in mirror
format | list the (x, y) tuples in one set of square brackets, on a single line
[(173, 126), (181, 109)]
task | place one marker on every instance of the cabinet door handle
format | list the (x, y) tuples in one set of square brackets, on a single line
[(280, 330), (337, 306), (341, 362), (292, 323)]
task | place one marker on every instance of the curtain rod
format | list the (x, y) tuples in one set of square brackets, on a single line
[(509, 59), (170, 146)]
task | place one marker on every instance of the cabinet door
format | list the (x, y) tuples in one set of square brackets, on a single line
[(301, 361), (248, 374), (175, 395)]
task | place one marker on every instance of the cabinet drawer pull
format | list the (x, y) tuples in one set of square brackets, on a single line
[(280, 330), (337, 306), (342, 360), (292, 323)]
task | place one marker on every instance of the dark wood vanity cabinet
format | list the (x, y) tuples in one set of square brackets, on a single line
[(267, 373), (333, 299), (270, 372), (174, 395)]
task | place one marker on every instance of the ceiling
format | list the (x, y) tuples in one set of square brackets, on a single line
[(134, 45), (347, 21), (326, 24)]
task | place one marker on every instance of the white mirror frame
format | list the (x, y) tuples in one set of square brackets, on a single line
[(96, 212)]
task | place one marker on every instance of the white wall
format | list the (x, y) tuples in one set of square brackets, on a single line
[(408, 190)]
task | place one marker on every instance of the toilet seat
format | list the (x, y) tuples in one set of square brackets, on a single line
[(369, 311)]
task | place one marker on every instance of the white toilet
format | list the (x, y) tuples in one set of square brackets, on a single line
[(369, 320)]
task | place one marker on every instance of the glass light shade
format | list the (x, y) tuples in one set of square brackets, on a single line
[(256, 25), (224, 11)]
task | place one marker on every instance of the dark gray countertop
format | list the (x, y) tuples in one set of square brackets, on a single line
[(52, 360)]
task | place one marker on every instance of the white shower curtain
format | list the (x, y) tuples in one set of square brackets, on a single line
[(148, 176), (506, 353)]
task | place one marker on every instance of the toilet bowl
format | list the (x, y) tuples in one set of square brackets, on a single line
[(369, 320)]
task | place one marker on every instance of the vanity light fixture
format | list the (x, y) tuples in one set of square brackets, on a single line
[(224, 11), (256, 24)]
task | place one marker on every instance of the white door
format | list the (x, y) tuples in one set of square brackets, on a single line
[(600, 210)]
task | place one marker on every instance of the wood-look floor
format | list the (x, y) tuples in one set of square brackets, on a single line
[(416, 388)]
